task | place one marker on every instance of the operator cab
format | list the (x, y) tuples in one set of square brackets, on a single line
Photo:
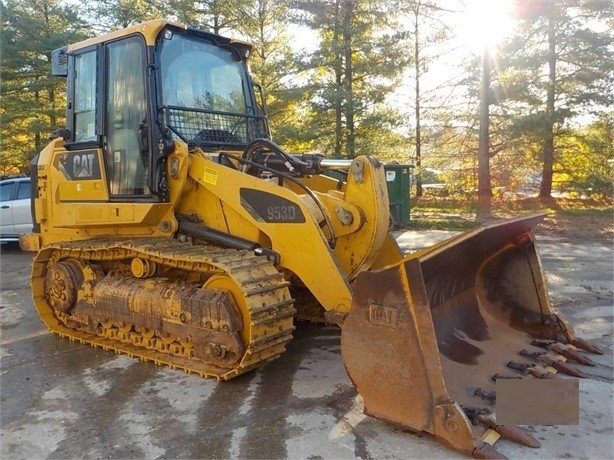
[(132, 94), (206, 93)]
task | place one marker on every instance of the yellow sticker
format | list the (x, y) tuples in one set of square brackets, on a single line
[(560, 358), (551, 369), (490, 437), (210, 176)]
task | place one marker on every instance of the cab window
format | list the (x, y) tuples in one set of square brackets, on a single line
[(85, 97), (126, 110), (203, 76)]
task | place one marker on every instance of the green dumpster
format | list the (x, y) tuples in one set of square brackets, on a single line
[(398, 182)]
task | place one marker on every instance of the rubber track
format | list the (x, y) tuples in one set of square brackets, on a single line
[(265, 290)]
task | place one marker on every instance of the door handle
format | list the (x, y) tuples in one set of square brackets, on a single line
[(6, 206)]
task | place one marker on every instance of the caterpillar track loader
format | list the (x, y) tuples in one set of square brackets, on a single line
[(170, 227)]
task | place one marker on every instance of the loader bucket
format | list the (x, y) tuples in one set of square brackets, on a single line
[(425, 336)]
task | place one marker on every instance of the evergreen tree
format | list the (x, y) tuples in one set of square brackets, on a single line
[(584, 165), (264, 23), (559, 66), (216, 16), (33, 102), (107, 15), (356, 66)]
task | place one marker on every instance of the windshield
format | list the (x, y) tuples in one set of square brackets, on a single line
[(206, 93), (201, 75)]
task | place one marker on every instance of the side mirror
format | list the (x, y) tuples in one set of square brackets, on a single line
[(59, 62)]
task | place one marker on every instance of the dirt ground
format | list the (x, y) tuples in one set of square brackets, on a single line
[(594, 227)]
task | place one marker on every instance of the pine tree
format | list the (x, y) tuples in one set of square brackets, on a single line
[(216, 16), (33, 102), (559, 66), (357, 65), (584, 162), (107, 15), (264, 23)]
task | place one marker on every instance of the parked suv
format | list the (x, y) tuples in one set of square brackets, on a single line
[(15, 211)]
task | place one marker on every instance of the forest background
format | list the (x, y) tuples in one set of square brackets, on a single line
[(396, 79)]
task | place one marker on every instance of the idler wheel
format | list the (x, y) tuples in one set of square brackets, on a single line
[(217, 354), (62, 284)]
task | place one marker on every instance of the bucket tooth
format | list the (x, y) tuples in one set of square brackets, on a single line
[(511, 433), (564, 350), (542, 343), (516, 434), (584, 345), (531, 369), (572, 354), (496, 377), (487, 451), (567, 369), (473, 412), (559, 365), (486, 395)]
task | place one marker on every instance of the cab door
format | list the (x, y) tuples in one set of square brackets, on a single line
[(125, 144), (108, 120), (106, 170)]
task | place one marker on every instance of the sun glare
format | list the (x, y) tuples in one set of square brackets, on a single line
[(485, 23)]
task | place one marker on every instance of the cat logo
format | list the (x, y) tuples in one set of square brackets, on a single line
[(83, 165)]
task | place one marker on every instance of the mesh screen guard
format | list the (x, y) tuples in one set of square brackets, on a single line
[(202, 127)]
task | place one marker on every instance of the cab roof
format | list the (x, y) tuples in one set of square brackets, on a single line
[(150, 31)]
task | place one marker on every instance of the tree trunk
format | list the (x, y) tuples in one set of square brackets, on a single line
[(545, 190), (417, 104), (338, 85), (51, 90), (484, 188), (348, 16)]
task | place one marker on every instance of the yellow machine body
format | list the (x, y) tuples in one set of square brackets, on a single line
[(197, 242)]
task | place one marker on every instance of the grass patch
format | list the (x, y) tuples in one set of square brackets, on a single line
[(440, 224), (556, 205), (445, 213)]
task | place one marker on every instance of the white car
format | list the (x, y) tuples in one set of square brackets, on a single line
[(15, 208)]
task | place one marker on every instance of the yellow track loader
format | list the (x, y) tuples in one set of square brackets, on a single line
[(170, 227)]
